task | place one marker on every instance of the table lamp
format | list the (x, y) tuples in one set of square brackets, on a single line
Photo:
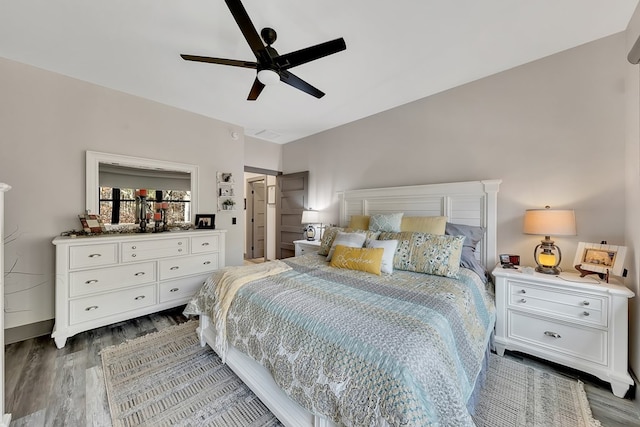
[(547, 222), (310, 217)]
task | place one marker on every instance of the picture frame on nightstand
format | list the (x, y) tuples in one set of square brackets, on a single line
[(600, 258)]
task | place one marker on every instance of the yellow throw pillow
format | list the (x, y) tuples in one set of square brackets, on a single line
[(363, 259), (359, 222), (424, 224)]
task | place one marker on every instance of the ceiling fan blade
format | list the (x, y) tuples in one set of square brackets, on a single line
[(308, 54), (255, 90), (246, 26), (298, 83), (221, 61)]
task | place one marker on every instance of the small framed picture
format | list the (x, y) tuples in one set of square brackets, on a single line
[(206, 221), (91, 224), (600, 258)]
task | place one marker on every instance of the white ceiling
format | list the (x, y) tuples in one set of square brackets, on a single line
[(397, 51)]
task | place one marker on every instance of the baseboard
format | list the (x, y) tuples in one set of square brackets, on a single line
[(25, 332)]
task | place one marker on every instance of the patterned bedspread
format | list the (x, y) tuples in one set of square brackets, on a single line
[(406, 348)]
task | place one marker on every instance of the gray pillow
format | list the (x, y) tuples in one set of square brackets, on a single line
[(473, 234)]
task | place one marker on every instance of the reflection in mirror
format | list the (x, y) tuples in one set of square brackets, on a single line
[(114, 181)]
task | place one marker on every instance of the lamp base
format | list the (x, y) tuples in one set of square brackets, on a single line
[(547, 270)]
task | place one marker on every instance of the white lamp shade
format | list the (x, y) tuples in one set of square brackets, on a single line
[(550, 222), (268, 77), (310, 217)]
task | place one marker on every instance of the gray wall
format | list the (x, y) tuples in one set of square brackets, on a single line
[(47, 122)]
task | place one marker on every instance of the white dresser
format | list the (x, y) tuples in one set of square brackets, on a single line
[(106, 279), (573, 321)]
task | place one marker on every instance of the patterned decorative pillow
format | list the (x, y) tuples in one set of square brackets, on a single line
[(424, 224), (427, 253), (359, 222), (353, 240), (327, 239), (389, 247), (363, 259), (385, 222)]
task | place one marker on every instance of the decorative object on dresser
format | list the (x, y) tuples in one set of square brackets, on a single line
[(91, 224), (106, 279), (547, 222), (310, 217), (204, 221), (306, 246), (601, 259), (6, 418), (573, 321)]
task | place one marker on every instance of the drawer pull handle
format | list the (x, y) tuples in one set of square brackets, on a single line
[(174, 290), (133, 255), (89, 282), (207, 262), (93, 307), (523, 291), (552, 334), (134, 247), (139, 297), (586, 313), (179, 243), (174, 268), (180, 250), (139, 273), (205, 244), (95, 255), (523, 300), (585, 303)]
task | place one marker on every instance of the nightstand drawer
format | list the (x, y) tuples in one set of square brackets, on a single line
[(573, 341), (571, 306)]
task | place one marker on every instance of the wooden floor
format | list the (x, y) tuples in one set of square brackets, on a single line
[(45, 386)]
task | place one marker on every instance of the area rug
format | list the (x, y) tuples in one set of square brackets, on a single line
[(167, 379)]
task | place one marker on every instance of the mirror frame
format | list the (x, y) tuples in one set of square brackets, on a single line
[(94, 158)]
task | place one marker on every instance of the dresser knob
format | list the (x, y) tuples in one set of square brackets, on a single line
[(95, 255), (523, 300), (586, 313), (139, 273), (174, 290), (133, 255), (205, 244), (89, 282), (179, 250), (179, 243), (174, 268), (585, 302), (523, 291), (139, 297), (134, 247), (552, 334), (93, 307), (207, 262)]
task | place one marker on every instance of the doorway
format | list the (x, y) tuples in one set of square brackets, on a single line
[(260, 215)]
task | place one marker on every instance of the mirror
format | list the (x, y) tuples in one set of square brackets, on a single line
[(136, 172)]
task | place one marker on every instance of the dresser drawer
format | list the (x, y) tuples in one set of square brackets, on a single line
[(178, 267), (103, 305), (575, 307), (152, 249), (573, 341), (105, 279), (202, 244), (93, 255), (182, 288)]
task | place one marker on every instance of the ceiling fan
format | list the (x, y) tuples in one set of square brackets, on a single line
[(270, 65)]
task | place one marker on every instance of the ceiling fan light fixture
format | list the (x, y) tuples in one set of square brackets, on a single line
[(268, 77)]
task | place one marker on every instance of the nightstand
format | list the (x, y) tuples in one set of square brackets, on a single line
[(306, 246), (575, 321)]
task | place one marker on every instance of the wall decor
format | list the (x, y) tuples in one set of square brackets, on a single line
[(226, 191), (599, 258), (206, 221)]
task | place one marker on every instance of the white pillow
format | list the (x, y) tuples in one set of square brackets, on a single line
[(385, 222), (389, 247), (352, 240)]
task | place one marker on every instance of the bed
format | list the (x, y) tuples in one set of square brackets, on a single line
[(340, 346)]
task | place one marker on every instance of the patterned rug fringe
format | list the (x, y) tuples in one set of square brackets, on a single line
[(167, 379)]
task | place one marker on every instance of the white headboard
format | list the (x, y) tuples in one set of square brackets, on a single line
[(469, 203)]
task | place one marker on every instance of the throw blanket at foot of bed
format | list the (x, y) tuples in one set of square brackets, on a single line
[(364, 350)]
